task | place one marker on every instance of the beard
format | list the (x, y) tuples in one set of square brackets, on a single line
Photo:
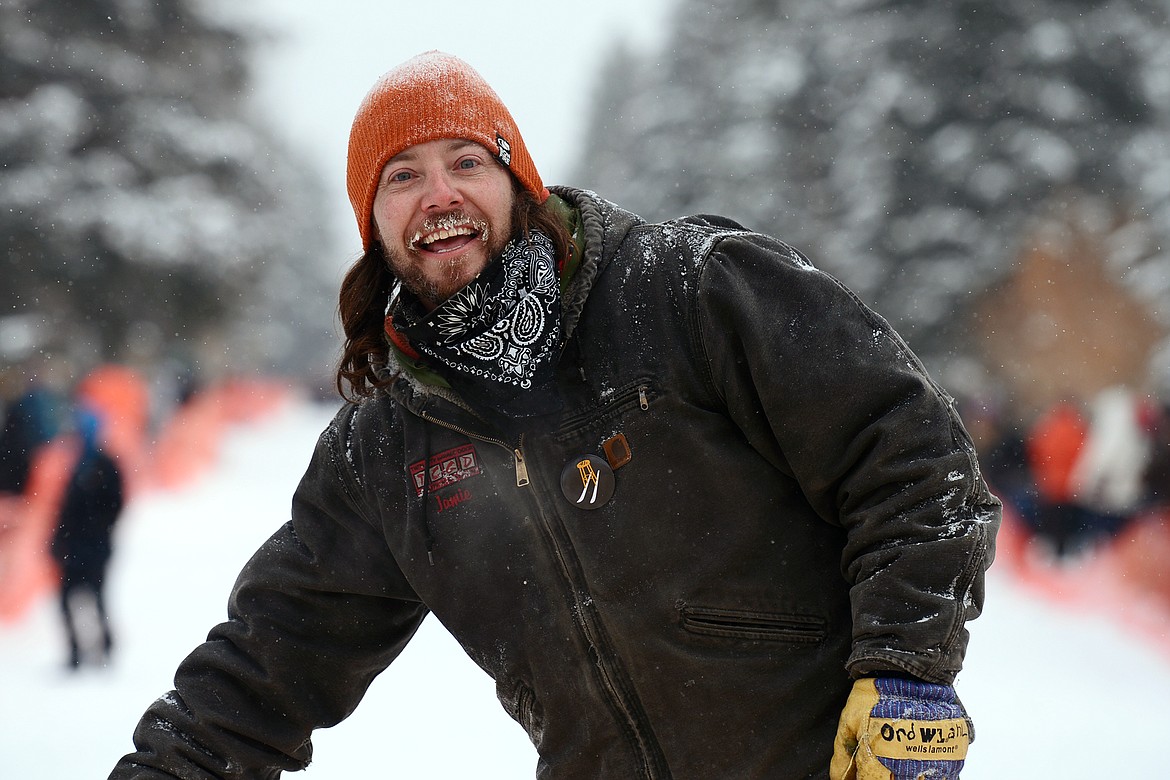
[(431, 288), (444, 277)]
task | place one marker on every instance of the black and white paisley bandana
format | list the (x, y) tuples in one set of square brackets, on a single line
[(500, 334)]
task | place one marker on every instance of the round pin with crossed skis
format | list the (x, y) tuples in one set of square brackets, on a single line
[(587, 482)]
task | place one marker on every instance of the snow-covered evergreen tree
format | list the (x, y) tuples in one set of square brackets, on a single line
[(904, 144), (143, 210)]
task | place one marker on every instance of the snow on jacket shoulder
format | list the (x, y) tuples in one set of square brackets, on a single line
[(794, 501)]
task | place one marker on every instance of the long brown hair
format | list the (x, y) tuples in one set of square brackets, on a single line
[(367, 286)]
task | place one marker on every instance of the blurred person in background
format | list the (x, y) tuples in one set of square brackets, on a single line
[(29, 409), (15, 454), (1108, 476), (1156, 478), (82, 544), (1054, 443), (696, 509), (1004, 457), (29, 414)]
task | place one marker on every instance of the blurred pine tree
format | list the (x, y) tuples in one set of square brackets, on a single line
[(907, 145), (145, 213)]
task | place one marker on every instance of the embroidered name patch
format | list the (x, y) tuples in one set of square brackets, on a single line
[(445, 469)]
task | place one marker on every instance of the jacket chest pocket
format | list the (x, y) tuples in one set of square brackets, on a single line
[(611, 406)]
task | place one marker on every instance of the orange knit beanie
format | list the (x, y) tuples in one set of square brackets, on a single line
[(428, 97)]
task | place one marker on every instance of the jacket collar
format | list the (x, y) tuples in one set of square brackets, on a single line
[(602, 228)]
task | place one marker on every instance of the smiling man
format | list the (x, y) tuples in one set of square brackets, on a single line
[(696, 509)]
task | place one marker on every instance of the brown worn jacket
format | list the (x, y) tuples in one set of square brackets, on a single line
[(800, 505)]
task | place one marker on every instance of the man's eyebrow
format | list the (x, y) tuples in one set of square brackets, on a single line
[(457, 144)]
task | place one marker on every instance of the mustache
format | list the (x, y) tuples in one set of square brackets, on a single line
[(452, 222)]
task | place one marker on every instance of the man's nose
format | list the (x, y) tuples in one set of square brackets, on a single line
[(442, 193)]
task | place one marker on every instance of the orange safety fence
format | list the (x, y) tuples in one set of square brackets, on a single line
[(26, 569), (188, 444), (186, 447), (1123, 579)]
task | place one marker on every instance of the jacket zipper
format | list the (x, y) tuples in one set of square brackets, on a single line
[(521, 464), (584, 605), (517, 450), (585, 619)]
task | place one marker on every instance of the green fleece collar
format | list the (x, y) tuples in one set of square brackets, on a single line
[(570, 217)]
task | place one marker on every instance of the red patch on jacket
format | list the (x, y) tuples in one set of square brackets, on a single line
[(445, 469)]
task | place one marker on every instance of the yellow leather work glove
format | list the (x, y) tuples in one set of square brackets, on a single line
[(895, 729)]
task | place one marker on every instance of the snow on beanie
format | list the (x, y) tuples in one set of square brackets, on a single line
[(429, 97)]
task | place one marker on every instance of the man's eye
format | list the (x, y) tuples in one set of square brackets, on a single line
[(400, 176), (468, 163)]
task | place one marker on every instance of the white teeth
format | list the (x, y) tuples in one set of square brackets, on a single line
[(439, 235), (447, 227)]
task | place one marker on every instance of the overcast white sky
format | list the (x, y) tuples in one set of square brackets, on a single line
[(541, 57)]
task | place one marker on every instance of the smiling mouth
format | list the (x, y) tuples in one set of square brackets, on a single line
[(448, 233)]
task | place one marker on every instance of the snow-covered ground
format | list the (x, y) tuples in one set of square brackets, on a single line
[(1055, 694)]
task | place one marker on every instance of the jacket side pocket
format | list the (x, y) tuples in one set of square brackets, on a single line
[(747, 624)]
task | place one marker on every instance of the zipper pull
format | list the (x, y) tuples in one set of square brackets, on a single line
[(521, 468), (643, 401)]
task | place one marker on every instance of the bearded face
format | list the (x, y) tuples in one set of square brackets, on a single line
[(442, 211)]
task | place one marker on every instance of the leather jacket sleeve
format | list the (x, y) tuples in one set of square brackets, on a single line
[(827, 391), (311, 622)]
